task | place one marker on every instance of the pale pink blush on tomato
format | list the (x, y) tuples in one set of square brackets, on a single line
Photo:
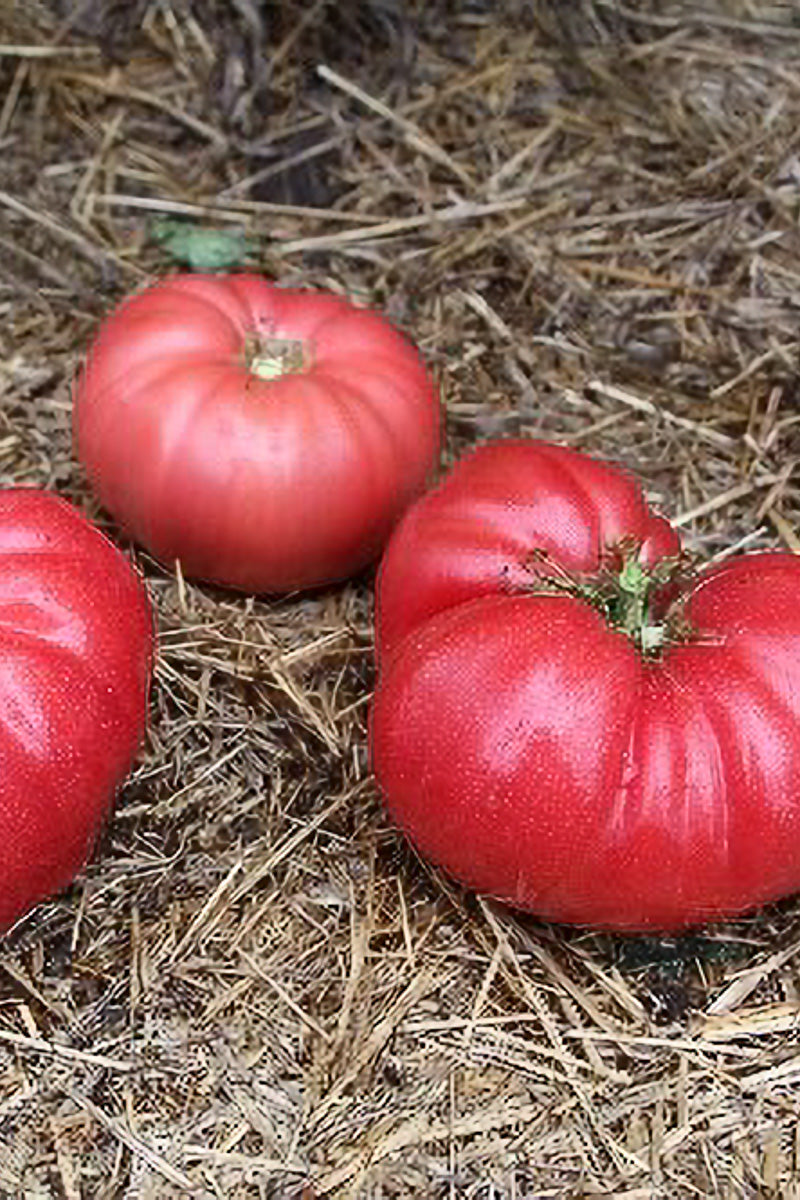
[(266, 439)]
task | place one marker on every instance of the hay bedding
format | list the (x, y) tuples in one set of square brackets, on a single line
[(586, 215)]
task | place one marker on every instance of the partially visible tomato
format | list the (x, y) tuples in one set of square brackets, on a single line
[(76, 651), (560, 740), (267, 439)]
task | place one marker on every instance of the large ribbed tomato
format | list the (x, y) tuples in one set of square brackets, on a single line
[(565, 731), (267, 439), (76, 649)]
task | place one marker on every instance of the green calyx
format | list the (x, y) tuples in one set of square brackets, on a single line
[(628, 593), (629, 610)]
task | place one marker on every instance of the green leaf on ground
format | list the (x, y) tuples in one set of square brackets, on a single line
[(201, 248)]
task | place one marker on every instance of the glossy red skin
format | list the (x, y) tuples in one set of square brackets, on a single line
[(76, 650), (474, 534), (262, 485), (531, 751)]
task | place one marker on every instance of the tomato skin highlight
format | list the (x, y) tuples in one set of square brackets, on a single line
[(531, 750), (76, 656), (252, 478)]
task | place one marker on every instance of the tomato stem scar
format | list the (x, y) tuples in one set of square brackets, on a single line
[(272, 357)]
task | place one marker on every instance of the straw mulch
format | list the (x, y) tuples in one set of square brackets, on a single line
[(586, 215)]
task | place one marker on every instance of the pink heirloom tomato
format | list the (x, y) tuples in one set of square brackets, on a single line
[(568, 720), (267, 439), (76, 651)]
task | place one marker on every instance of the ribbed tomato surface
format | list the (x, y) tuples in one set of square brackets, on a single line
[(76, 649), (475, 534), (538, 755), (267, 439)]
